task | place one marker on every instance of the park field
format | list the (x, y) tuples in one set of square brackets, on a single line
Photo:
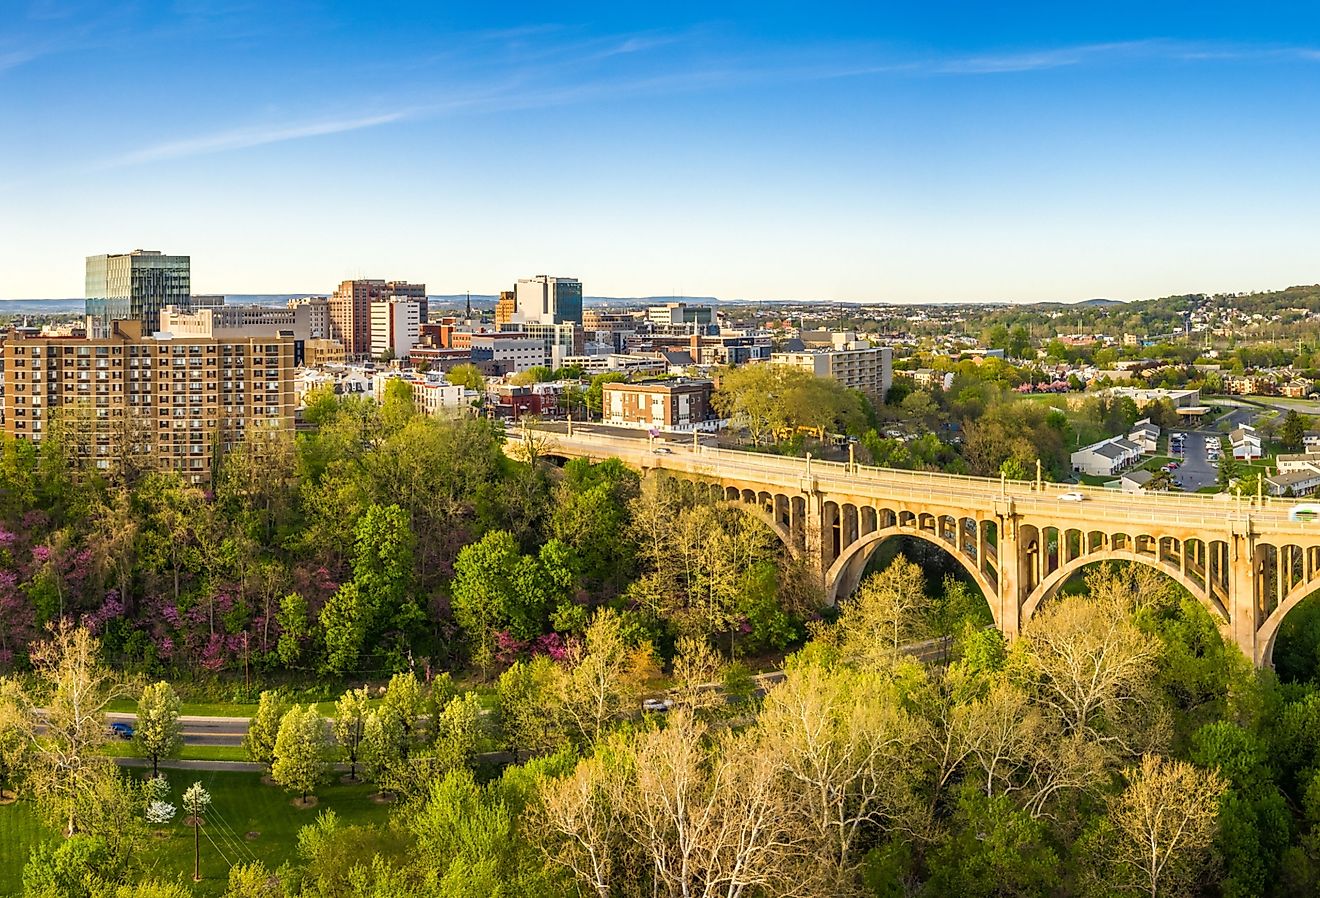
[(247, 821)]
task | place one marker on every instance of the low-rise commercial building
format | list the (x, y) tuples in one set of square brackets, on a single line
[(661, 405)]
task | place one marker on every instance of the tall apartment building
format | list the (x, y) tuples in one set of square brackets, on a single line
[(350, 309), (505, 306), (169, 401), (548, 300), (855, 364), (394, 326), (136, 286)]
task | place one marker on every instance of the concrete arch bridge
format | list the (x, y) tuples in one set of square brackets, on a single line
[(1019, 541)]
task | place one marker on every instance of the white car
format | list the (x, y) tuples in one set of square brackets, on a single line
[(1072, 497), (663, 450), (657, 705)]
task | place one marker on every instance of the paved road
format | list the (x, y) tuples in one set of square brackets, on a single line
[(201, 730)]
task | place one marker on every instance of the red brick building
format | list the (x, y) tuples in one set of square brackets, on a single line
[(666, 405)]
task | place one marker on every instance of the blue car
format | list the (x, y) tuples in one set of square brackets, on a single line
[(122, 730)]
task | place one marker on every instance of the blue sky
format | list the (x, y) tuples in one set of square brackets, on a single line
[(883, 152)]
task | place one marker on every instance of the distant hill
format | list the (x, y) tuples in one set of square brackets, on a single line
[(1100, 302)]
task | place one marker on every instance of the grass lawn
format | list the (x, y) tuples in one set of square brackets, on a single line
[(240, 804), (1155, 462), (124, 749)]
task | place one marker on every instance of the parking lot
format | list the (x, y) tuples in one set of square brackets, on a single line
[(1199, 461)]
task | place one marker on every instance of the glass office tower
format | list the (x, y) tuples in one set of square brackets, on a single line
[(136, 286)]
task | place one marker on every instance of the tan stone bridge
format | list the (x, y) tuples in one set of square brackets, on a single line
[(1243, 560)]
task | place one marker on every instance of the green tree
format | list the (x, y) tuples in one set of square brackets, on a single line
[(404, 702), (17, 735), (73, 868), (467, 376), (529, 706), (596, 390), (1293, 432), (382, 746), (294, 628), (345, 620), (995, 849), (350, 724), (496, 587), (301, 761), (69, 775), (196, 802), (158, 733), (264, 728)]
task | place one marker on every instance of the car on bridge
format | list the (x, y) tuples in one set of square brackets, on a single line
[(1307, 512), (1072, 497)]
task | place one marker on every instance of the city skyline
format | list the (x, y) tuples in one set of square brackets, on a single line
[(951, 153)]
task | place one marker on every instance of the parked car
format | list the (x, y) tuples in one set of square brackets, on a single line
[(657, 705), (1072, 497), (121, 730)]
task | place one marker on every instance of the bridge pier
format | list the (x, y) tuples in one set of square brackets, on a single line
[(1244, 589), (1012, 577), (813, 528)]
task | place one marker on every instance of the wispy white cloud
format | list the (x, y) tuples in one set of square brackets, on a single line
[(12, 59), (254, 136), (602, 69)]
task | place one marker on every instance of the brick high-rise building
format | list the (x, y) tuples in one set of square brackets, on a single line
[(350, 309), (504, 308), (169, 402)]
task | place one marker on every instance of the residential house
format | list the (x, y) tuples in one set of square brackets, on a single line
[(1146, 435), (1107, 457), (1135, 481), (1246, 443)]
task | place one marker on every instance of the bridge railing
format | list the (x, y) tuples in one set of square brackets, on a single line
[(1217, 510)]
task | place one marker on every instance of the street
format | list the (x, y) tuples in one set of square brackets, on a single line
[(201, 730)]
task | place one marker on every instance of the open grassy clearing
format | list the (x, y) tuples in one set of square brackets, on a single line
[(241, 804)]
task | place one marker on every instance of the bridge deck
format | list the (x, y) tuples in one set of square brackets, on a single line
[(1102, 507)]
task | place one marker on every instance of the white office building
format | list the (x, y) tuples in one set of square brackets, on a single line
[(395, 326)]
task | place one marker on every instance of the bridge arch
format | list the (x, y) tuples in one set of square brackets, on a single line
[(1050, 584), (764, 516), (1269, 631), (845, 574)]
